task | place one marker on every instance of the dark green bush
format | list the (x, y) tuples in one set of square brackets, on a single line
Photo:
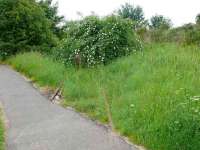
[(97, 41), (23, 26)]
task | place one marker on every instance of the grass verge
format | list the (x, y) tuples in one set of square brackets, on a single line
[(154, 97), (2, 132)]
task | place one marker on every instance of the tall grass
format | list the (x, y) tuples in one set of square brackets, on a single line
[(154, 96), (40, 69)]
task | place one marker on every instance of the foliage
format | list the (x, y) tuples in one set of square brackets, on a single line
[(192, 34), (159, 26), (154, 95), (198, 19), (157, 35), (51, 12), (97, 41), (23, 26), (136, 14), (160, 22), (187, 34), (143, 33)]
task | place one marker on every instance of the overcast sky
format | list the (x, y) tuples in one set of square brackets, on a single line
[(179, 11)]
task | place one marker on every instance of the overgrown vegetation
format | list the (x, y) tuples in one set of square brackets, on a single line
[(152, 93), (24, 27), (188, 34), (51, 13), (97, 41), (154, 96)]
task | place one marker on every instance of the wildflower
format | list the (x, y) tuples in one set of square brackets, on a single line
[(176, 122), (195, 98)]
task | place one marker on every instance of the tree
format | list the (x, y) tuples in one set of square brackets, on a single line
[(51, 12), (136, 14), (160, 22), (198, 19), (23, 26)]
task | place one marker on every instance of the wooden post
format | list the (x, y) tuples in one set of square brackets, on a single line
[(77, 61)]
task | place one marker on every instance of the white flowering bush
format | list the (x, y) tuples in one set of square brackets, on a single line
[(97, 41)]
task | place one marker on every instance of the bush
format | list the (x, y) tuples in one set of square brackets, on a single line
[(192, 34), (97, 41), (23, 26), (157, 35), (188, 34)]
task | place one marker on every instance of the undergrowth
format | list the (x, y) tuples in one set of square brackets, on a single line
[(153, 95)]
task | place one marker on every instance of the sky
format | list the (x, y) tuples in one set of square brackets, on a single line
[(179, 11)]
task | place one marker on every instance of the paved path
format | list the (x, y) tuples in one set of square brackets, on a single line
[(37, 124)]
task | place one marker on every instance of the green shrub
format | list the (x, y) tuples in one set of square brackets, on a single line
[(97, 41), (23, 26), (187, 34), (192, 34), (157, 35)]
